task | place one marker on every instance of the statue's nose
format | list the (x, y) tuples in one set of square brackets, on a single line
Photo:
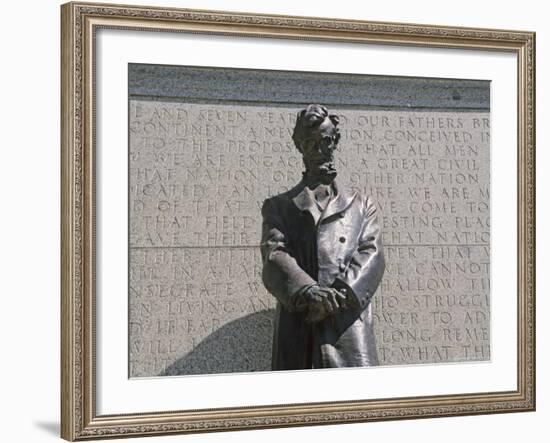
[(327, 149)]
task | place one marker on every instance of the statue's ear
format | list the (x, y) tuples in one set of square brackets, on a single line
[(301, 113), (334, 119)]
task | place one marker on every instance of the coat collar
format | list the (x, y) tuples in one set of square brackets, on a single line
[(304, 201)]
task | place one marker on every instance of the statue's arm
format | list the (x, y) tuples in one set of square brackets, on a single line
[(281, 274), (366, 268)]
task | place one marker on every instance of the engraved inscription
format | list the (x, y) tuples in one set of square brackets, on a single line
[(199, 173)]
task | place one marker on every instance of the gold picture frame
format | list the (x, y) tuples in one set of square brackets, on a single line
[(80, 21)]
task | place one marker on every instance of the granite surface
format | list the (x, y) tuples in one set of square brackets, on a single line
[(200, 169)]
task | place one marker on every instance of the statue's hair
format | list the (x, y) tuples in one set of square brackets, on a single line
[(312, 117)]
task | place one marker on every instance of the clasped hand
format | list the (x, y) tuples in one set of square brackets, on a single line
[(323, 302)]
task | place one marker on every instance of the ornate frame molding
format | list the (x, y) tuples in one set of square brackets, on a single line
[(79, 420)]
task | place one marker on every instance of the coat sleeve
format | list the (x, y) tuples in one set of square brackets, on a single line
[(366, 267), (281, 274)]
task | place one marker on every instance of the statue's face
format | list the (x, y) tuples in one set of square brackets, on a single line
[(319, 146)]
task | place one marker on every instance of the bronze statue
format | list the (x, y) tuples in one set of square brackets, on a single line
[(322, 259)]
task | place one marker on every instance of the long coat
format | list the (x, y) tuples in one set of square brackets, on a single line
[(340, 247)]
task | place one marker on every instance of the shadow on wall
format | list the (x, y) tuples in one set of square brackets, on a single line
[(243, 345)]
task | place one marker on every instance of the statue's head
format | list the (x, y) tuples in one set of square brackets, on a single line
[(316, 136)]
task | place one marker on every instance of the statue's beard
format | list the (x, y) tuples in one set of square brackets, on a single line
[(323, 170)]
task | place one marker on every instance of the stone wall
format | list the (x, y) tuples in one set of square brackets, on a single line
[(207, 146)]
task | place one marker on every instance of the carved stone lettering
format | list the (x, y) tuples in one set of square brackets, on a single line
[(199, 173)]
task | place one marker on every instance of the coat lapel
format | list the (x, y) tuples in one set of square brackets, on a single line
[(339, 203), (304, 201)]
